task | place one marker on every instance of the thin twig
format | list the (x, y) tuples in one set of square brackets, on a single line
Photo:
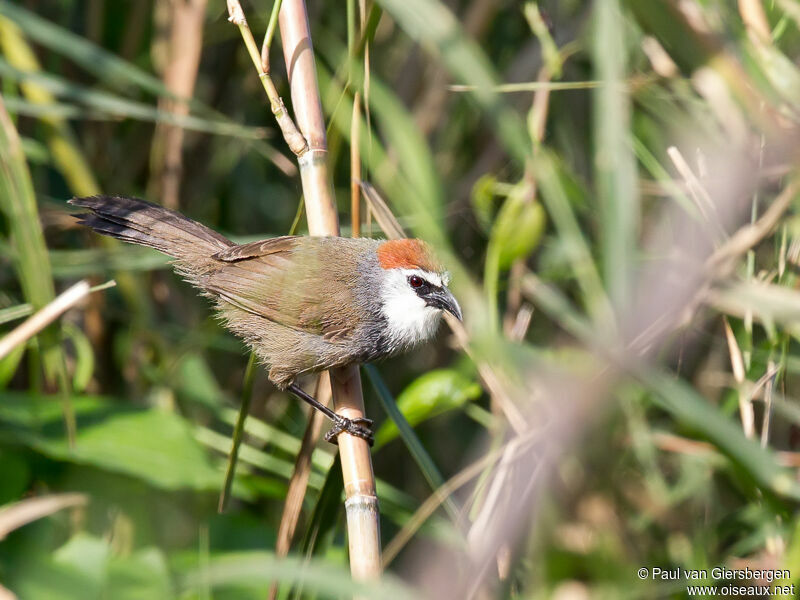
[(755, 20), (294, 139), (19, 311), (749, 235), (265, 47), (26, 511), (452, 485), (769, 380), (44, 317), (697, 190), (737, 366)]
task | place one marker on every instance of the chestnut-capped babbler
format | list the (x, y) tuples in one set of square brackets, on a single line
[(304, 304)]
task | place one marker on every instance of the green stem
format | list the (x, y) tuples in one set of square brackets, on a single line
[(238, 432), (273, 22)]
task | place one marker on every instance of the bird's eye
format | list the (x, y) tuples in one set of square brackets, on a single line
[(415, 281)]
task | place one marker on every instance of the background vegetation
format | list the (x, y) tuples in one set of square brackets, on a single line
[(613, 186)]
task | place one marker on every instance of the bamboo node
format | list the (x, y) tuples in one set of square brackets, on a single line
[(235, 13), (362, 503), (294, 138)]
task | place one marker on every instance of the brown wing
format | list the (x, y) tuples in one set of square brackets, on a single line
[(286, 282), (277, 245)]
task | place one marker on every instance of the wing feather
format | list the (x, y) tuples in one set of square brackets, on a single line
[(288, 283)]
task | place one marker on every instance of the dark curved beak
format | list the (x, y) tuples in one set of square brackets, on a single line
[(444, 300)]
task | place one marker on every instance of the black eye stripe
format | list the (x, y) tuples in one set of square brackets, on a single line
[(421, 285)]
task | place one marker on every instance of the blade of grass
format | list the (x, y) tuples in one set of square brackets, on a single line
[(412, 442), (107, 105), (684, 403), (680, 400), (63, 146), (30, 257), (434, 25), (238, 432), (615, 165)]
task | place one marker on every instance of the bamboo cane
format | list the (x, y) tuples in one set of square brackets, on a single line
[(310, 146), (361, 502)]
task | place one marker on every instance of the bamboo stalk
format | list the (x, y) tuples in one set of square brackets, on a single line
[(361, 501)]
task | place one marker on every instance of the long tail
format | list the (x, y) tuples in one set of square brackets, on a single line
[(139, 222)]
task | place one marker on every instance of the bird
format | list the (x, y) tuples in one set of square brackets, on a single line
[(302, 304)]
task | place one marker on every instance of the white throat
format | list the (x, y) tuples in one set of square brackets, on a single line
[(409, 320)]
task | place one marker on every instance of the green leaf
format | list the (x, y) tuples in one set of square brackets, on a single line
[(482, 200), (152, 445), (84, 357), (12, 313), (16, 474), (18, 203), (104, 105), (87, 555), (9, 364), (516, 231), (105, 261), (429, 395), (195, 379), (85, 567), (107, 66), (258, 570), (614, 161), (142, 575), (47, 580), (412, 442)]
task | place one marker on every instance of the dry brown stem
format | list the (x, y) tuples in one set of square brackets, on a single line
[(28, 510), (180, 75), (49, 313), (755, 20)]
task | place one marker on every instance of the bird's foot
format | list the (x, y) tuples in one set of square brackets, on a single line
[(360, 427)]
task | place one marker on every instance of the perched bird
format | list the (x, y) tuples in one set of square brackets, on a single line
[(303, 304)]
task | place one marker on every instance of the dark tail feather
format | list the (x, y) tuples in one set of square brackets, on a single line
[(139, 222)]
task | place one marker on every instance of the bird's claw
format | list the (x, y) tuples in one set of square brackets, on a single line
[(360, 427)]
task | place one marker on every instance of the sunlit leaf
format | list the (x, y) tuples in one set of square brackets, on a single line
[(431, 394)]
